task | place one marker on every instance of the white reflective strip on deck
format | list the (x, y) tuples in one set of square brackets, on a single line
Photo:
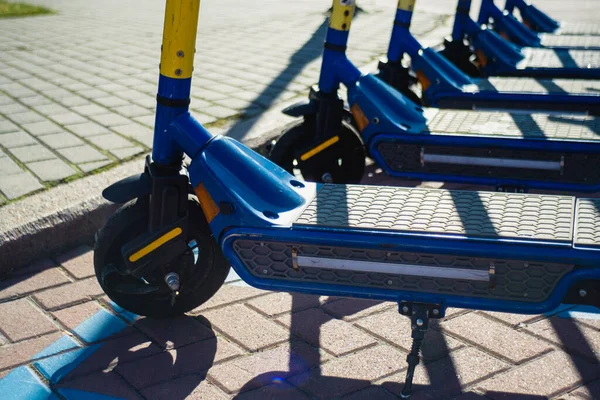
[(396, 269)]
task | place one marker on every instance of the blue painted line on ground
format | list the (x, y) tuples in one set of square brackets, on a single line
[(62, 344), (57, 367), (72, 394), (23, 384), (123, 313), (99, 326)]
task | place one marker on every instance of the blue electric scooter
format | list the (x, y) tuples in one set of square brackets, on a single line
[(169, 249), (498, 57), (446, 86), (539, 21), (509, 150), (517, 32)]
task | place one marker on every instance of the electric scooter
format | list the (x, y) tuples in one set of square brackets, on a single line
[(499, 57), (537, 20), (446, 86), (517, 32), (512, 151), (169, 248)]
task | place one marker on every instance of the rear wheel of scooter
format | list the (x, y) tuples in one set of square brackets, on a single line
[(201, 270), (342, 162)]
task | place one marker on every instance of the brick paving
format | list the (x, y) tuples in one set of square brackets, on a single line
[(245, 343), (77, 89)]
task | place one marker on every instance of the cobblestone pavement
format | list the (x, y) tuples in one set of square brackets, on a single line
[(77, 89), (59, 336)]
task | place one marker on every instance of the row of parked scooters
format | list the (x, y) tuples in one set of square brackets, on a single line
[(507, 101)]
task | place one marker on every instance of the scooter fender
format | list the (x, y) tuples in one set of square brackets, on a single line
[(300, 109), (128, 189)]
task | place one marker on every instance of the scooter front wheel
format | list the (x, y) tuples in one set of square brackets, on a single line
[(200, 271), (338, 159)]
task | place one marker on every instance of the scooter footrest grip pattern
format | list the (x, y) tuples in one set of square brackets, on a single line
[(548, 58), (551, 40), (476, 215), (579, 28), (512, 279), (543, 86), (513, 124), (587, 223)]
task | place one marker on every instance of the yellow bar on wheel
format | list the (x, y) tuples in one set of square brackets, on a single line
[(155, 245), (320, 148)]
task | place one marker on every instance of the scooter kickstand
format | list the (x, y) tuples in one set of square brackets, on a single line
[(419, 322)]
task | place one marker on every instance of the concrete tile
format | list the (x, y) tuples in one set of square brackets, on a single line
[(82, 154), (7, 126), (448, 376), (78, 261), (25, 284), (73, 101), (147, 120), (220, 111), (61, 140), (66, 295), (512, 319), (352, 309), (371, 393), (107, 384), (32, 153), (127, 152), (127, 347), (89, 167), (111, 101), (25, 351), (573, 336), (395, 328), (42, 128), (87, 129), (51, 170), (68, 118), (137, 132), (52, 108), (15, 186), (8, 167), (228, 294), (589, 391), (254, 334), (131, 110), (321, 330), (265, 367), (196, 358), (27, 117), (110, 141), (16, 139), (545, 376), (495, 337), (279, 303), (20, 320), (175, 332), (110, 119), (277, 390), (348, 374), (191, 387)]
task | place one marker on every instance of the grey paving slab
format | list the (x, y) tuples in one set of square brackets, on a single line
[(51, 170), (8, 167), (18, 185), (16, 139), (82, 154), (61, 140), (127, 152), (31, 153), (88, 129)]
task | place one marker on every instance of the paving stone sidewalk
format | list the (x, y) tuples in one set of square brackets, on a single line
[(77, 89), (60, 336)]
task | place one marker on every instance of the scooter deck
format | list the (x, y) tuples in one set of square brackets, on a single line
[(579, 28), (478, 248), (559, 59), (574, 41), (559, 151), (572, 87)]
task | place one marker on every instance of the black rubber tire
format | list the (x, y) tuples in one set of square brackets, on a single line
[(208, 273), (347, 167)]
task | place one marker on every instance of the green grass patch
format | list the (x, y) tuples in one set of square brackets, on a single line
[(8, 9)]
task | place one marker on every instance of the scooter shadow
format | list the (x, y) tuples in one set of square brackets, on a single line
[(184, 346)]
